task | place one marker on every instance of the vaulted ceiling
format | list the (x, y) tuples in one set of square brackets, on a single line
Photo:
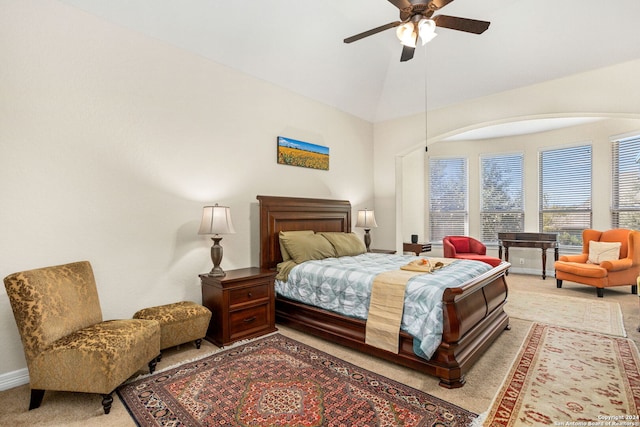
[(298, 44)]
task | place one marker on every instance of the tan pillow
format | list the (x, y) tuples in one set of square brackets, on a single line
[(283, 250), (603, 251), (304, 247), (345, 244)]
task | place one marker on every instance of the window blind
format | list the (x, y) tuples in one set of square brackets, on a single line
[(501, 195), (565, 193), (625, 192), (448, 193)]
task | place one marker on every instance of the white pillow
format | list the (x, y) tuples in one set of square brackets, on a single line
[(603, 251)]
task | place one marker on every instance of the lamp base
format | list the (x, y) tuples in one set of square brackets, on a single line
[(216, 258), (217, 272), (367, 239)]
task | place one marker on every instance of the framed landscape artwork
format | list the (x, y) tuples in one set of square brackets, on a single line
[(298, 153)]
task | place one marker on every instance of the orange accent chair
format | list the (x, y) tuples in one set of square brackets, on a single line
[(623, 271), (465, 247)]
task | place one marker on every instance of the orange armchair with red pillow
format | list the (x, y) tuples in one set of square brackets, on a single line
[(609, 258), (465, 247)]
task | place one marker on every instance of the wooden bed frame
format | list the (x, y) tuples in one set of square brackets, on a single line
[(473, 313)]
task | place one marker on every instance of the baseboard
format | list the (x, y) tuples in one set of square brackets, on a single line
[(14, 379), (521, 270), (531, 272)]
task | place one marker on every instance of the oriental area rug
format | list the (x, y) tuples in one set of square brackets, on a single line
[(577, 313), (277, 381), (565, 377)]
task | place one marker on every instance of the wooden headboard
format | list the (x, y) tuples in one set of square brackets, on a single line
[(295, 213)]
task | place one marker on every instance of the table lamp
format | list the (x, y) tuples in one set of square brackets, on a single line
[(216, 220), (367, 220)]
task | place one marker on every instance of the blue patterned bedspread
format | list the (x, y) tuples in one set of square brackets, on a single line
[(343, 285)]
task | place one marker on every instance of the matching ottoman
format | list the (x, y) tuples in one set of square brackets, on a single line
[(180, 322)]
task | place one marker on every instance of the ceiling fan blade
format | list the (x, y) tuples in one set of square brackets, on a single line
[(401, 4), (439, 4), (461, 24), (407, 53), (372, 32)]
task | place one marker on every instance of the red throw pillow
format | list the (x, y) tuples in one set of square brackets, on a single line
[(461, 244)]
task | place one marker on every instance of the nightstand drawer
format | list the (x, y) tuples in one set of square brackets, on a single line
[(248, 320), (248, 294)]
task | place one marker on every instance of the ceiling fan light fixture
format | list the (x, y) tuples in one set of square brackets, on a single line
[(417, 21), (407, 34), (427, 30)]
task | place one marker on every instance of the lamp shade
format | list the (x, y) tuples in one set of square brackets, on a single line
[(427, 30), (216, 220), (407, 34), (366, 219)]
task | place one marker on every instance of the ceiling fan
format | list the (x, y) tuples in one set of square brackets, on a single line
[(417, 20)]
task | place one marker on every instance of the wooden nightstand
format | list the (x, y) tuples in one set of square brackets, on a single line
[(242, 303)]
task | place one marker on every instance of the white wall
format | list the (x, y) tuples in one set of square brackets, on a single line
[(411, 183), (111, 143), (611, 92)]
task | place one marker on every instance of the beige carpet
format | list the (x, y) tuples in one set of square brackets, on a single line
[(595, 315), (565, 376), (483, 381)]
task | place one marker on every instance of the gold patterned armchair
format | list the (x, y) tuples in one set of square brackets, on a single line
[(67, 345)]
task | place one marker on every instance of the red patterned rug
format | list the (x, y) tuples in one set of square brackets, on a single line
[(276, 381), (564, 376)]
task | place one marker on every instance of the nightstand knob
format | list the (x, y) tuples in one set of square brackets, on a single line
[(250, 294)]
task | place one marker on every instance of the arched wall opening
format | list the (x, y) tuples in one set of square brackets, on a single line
[(411, 170)]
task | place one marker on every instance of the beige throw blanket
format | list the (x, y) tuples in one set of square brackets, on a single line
[(387, 302)]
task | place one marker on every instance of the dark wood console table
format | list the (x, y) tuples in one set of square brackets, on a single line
[(542, 241), (416, 248)]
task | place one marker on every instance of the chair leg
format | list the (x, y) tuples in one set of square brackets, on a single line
[(107, 400), (600, 292), (558, 283), (36, 398), (198, 343), (152, 364), (634, 289)]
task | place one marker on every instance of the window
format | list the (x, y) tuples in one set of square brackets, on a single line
[(625, 209), (447, 197), (501, 196), (565, 193)]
